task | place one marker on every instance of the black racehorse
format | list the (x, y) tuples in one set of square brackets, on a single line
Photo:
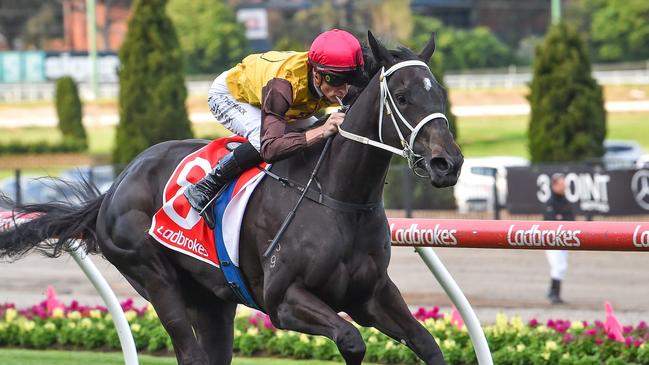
[(333, 257)]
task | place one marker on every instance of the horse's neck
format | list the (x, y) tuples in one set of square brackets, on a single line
[(355, 172)]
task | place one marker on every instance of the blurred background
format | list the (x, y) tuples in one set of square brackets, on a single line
[(535, 87), (62, 63)]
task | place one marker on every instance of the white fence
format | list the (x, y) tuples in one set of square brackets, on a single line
[(513, 77)]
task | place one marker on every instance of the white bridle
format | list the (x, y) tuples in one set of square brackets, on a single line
[(387, 102)]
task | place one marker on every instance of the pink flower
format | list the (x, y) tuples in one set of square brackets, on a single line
[(628, 341), (598, 341), (127, 304), (420, 314), (590, 332), (599, 324), (533, 322), (627, 329), (567, 337), (268, 324), (611, 336), (638, 342), (253, 320), (642, 325)]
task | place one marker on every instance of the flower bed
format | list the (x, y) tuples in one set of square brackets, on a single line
[(511, 340)]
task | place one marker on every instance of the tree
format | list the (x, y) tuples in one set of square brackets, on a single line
[(45, 24), (68, 109), (463, 49), (620, 30), (568, 120), (392, 19), (152, 87), (209, 34), (13, 18)]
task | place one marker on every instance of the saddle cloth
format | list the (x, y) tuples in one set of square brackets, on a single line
[(179, 227)]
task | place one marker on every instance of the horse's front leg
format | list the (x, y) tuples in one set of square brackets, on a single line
[(302, 311), (388, 312)]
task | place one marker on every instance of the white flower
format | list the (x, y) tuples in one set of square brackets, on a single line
[(252, 331), (74, 315), (28, 325), (551, 345), (576, 325), (449, 343), (58, 313), (95, 313), (136, 327), (130, 315), (85, 323), (304, 338), (10, 315), (520, 347)]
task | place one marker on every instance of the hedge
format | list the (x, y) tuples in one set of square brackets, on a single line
[(512, 341)]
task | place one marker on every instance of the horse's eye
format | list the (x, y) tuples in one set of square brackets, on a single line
[(401, 99)]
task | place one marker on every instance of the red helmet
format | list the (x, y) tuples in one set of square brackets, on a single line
[(336, 50)]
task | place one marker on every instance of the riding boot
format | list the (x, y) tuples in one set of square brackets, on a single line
[(554, 294), (201, 194)]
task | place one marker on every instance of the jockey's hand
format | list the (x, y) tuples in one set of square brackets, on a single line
[(330, 127)]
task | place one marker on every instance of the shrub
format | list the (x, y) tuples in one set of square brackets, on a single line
[(17, 147), (69, 111), (568, 121), (152, 89)]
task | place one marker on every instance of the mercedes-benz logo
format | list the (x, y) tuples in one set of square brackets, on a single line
[(640, 188)]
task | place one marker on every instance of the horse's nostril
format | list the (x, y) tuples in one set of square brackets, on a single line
[(440, 164)]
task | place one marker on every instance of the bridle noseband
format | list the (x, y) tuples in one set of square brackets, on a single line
[(387, 103)]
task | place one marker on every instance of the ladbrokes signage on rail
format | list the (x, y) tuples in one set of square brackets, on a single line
[(598, 192)]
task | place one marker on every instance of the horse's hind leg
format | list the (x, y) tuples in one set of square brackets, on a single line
[(302, 311), (155, 276), (213, 322), (388, 312)]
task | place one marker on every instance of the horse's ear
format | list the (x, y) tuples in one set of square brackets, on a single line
[(428, 51), (381, 54)]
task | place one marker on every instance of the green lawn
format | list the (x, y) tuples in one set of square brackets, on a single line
[(489, 136), (36, 357), (101, 139), (479, 136)]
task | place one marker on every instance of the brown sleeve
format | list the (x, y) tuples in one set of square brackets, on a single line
[(276, 142)]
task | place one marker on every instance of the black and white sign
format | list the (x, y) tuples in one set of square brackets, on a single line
[(589, 189)]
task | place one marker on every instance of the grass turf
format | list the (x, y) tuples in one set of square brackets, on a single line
[(479, 136), (491, 136), (49, 357)]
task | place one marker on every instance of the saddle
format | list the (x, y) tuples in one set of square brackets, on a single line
[(179, 227)]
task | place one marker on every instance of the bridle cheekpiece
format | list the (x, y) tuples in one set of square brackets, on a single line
[(387, 103)]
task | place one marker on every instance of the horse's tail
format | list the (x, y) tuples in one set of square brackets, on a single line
[(49, 228)]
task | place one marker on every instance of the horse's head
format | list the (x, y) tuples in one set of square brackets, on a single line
[(412, 115)]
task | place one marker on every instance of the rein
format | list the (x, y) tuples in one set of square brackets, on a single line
[(387, 103), (318, 197)]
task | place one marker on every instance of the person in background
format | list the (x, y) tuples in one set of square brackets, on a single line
[(558, 208)]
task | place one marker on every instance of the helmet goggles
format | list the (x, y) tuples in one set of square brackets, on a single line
[(336, 79)]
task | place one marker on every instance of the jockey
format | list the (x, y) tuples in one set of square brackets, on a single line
[(270, 99)]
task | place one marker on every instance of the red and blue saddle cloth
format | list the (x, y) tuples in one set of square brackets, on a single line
[(179, 227)]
